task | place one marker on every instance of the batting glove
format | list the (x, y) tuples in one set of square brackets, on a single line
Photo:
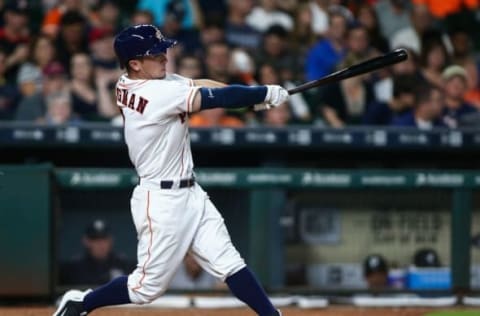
[(276, 95)]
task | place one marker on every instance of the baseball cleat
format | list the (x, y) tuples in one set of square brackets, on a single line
[(72, 304)]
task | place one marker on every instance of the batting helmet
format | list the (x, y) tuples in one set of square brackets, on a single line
[(140, 40), (426, 257)]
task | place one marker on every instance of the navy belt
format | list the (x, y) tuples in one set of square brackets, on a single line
[(185, 183)]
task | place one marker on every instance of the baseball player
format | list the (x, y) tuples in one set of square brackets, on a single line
[(171, 213)]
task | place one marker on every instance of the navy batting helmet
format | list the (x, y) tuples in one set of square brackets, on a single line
[(140, 40)]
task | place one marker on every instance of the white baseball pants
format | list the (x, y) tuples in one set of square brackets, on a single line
[(170, 222)]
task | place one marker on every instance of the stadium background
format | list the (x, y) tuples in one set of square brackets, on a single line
[(304, 202)]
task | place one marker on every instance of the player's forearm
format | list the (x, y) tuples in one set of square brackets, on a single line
[(237, 96), (209, 83), (231, 97)]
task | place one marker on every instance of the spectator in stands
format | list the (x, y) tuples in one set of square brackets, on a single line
[(242, 66), (106, 16), (189, 66), (302, 36), (464, 55), (433, 60), (212, 32), (105, 81), (188, 39), (463, 48), (324, 56), (29, 80), (419, 32), (358, 46), (72, 37), (213, 118), (441, 8), (84, 94), (457, 112), (367, 17), (141, 17), (191, 19), (393, 15), (275, 50), (375, 272), (213, 10), (472, 96), (33, 108), (41, 53), (382, 113), (191, 276), (217, 62), (52, 20), (426, 258), (298, 108), (345, 103), (267, 14), (9, 94), (280, 116), (385, 85), (237, 32), (99, 263), (59, 110), (101, 50), (14, 38), (427, 111), (320, 18)]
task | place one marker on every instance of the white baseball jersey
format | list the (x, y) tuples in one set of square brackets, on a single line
[(156, 125), (169, 222)]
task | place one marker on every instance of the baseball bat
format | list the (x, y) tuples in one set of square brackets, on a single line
[(372, 64)]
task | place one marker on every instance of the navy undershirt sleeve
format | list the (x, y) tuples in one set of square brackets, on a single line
[(234, 96)]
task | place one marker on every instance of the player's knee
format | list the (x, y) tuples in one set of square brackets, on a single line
[(145, 295)]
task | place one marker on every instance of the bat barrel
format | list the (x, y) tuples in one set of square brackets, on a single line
[(375, 63)]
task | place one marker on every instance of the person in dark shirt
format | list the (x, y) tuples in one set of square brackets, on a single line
[(99, 263), (426, 114), (382, 113), (375, 272), (14, 37), (345, 103)]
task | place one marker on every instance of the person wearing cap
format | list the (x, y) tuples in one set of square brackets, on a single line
[(33, 107), (457, 111), (375, 272), (98, 263), (426, 258), (171, 212)]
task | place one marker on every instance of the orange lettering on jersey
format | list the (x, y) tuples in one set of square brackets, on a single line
[(132, 101), (142, 103)]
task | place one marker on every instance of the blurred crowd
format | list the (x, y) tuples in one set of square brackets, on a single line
[(57, 64)]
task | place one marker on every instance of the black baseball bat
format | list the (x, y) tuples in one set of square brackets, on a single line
[(372, 64)]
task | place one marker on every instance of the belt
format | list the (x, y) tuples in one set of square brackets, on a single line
[(168, 184), (185, 183)]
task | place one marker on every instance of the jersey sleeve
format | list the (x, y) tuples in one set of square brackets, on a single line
[(171, 96)]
